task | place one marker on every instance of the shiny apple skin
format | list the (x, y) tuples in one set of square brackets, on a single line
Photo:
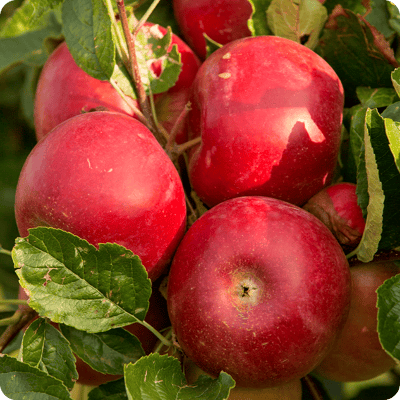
[(358, 354), (297, 300), (222, 21), (65, 90), (269, 114), (104, 177)]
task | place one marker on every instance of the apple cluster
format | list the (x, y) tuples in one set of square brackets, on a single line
[(259, 285)]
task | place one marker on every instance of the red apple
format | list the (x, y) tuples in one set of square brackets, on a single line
[(157, 316), (258, 288), (104, 177), (221, 20), (337, 207), (269, 114), (358, 354), (65, 90)]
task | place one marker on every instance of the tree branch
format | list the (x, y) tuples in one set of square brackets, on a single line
[(135, 73), (22, 317)]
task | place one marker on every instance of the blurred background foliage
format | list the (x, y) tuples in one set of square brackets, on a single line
[(16, 140)]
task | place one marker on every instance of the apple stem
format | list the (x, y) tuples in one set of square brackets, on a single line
[(133, 67), (160, 345), (176, 150), (187, 145), (161, 129), (193, 216), (177, 126), (135, 73), (162, 338), (20, 319), (137, 112)]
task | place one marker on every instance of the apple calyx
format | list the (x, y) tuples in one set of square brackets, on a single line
[(247, 290)]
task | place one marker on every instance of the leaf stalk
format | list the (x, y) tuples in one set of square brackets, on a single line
[(135, 73), (162, 338), (21, 318)]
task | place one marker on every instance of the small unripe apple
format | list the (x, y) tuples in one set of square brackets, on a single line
[(337, 207), (258, 288), (104, 177), (65, 90), (358, 354), (221, 20), (269, 114)]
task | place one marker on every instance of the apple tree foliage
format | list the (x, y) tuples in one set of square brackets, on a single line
[(93, 293)]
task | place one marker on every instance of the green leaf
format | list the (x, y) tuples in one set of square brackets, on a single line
[(392, 112), (298, 20), (160, 377), (114, 390), (28, 48), (378, 16), (395, 77), (208, 388), (389, 316), (362, 181), (356, 52), (30, 16), (394, 16), (152, 47), (258, 24), (159, 66), (106, 352), (356, 141), (20, 381), (373, 227), (390, 177), (211, 45), (44, 347), (382, 229), (71, 282), (376, 97), (393, 134), (171, 68), (123, 79), (87, 31), (356, 6), (369, 98)]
